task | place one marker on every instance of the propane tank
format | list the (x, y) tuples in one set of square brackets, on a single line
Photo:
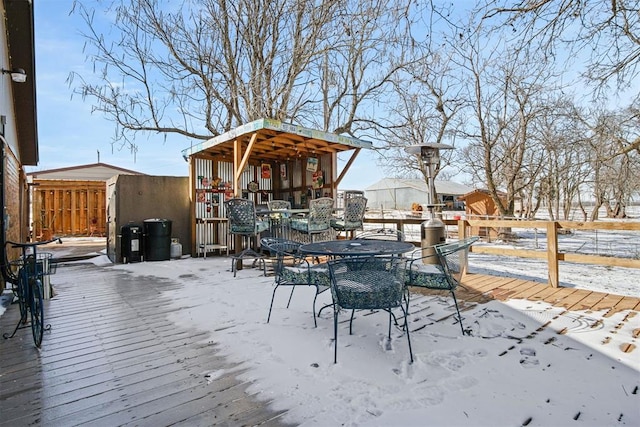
[(176, 248), (433, 233)]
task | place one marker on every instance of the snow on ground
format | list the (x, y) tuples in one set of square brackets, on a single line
[(514, 369)]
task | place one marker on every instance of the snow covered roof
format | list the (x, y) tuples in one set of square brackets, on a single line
[(442, 187)]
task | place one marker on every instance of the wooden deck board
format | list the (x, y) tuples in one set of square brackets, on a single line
[(529, 293), (560, 294), (114, 358), (573, 298), (588, 302), (491, 287), (507, 289), (626, 303), (607, 303)]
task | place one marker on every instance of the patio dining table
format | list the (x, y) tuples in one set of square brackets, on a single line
[(364, 247)]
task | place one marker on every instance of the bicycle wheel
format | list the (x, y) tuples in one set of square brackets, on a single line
[(22, 293), (37, 311)]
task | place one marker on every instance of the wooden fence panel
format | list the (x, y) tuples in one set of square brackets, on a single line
[(68, 208), (553, 254)]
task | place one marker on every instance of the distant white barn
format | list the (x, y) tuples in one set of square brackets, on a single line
[(398, 193)]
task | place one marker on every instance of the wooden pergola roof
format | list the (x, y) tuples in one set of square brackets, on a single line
[(268, 139)]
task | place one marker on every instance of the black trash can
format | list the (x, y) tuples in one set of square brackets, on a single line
[(131, 243), (157, 239)]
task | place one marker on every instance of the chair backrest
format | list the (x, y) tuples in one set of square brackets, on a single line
[(453, 258), (382, 234), (267, 242), (367, 282), (354, 211), (353, 193), (242, 216), (287, 252), (320, 213), (277, 205)]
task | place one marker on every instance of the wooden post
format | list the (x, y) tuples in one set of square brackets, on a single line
[(552, 253), (462, 229), (462, 234)]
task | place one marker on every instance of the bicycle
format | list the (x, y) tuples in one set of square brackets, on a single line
[(25, 275)]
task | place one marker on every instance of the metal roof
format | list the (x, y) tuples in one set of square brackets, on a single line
[(94, 171), (275, 140)]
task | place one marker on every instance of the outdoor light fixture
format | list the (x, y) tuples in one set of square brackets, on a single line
[(18, 75)]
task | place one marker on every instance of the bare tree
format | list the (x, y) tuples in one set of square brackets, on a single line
[(566, 168), (509, 93), (427, 102), (427, 98), (200, 68), (606, 33), (615, 177)]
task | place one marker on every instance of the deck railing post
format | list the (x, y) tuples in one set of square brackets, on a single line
[(462, 229), (552, 253)]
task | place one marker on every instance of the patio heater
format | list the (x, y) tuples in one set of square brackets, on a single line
[(432, 230)]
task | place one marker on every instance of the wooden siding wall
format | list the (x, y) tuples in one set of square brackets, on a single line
[(16, 205), (68, 208)]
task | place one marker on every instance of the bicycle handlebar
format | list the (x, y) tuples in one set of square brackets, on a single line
[(32, 244)]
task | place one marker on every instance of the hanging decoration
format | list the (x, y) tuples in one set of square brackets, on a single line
[(317, 179), (253, 186), (312, 164), (266, 171)]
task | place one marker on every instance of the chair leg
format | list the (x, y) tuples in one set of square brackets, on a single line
[(406, 322), (326, 306), (335, 334), (315, 321), (351, 322), (293, 288), (455, 301), (273, 296), (407, 296)]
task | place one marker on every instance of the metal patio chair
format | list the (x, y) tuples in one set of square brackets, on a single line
[(446, 274), (243, 221), (353, 217), (368, 283), (279, 221), (317, 221), (291, 268)]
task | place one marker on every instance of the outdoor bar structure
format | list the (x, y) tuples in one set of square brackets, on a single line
[(262, 160)]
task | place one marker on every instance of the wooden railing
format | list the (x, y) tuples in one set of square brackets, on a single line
[(552, 253)]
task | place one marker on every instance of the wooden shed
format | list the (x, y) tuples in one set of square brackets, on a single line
[(71, 201), (480, 205)]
